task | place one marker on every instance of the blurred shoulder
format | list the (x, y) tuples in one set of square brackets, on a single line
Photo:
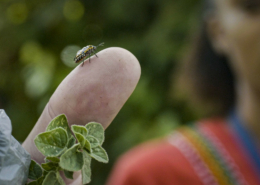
[(154, 162), (157, 151), (161, 161), (164, 147), (166, 150)]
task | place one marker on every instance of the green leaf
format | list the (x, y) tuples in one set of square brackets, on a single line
[(79, 129), (86, 170), (53, 159), (87, 144), (60, 121), (46, 160), (40, 180), (72, 160), (68, 174), (45, 173), (50, 166), (81, 139), (96, 130), (99, 154), (71, 142), (93, 141), (52, 143), (35, 170), (53, 178)]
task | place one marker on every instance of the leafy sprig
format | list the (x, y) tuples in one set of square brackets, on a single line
[(67, 150)]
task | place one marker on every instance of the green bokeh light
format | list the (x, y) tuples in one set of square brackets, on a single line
[(73, 10), (17, 13)]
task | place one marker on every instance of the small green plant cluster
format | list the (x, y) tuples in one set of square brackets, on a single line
[(67, 151)]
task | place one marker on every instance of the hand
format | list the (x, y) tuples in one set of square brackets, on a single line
[(94, 92)]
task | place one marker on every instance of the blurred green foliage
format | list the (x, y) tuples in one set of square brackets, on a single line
[(38, 41)]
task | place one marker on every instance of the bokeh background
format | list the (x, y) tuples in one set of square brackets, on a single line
[(38, 40)]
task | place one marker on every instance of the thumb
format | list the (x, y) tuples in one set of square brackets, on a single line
[(93, 92)]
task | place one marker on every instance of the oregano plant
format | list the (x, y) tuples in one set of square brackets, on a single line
[(67, 150)]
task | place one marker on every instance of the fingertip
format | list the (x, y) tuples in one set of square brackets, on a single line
[(122, 59)]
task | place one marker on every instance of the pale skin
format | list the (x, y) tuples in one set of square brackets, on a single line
[(94, 92), (235, 32)]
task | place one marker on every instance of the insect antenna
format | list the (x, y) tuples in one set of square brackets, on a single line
[(101, 44)]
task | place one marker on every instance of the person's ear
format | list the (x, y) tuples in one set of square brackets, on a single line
[(216, 34)]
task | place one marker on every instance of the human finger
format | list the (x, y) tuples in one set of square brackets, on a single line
[(93, 92)]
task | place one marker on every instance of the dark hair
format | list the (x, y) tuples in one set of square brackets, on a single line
[(208, 76)]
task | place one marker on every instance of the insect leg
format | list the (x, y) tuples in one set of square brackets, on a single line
[(83, 61), (89, 57), (95, 53)]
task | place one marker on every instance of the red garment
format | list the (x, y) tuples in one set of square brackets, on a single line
[(206, 154)]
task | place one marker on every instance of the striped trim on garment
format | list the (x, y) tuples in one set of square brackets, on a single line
[(207, 155)]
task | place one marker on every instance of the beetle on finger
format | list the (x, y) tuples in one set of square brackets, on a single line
[(86, 51)]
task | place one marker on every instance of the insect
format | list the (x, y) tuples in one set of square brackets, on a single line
[(86, 52)]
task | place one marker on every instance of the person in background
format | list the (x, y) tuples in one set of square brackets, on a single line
[(223, 71)]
